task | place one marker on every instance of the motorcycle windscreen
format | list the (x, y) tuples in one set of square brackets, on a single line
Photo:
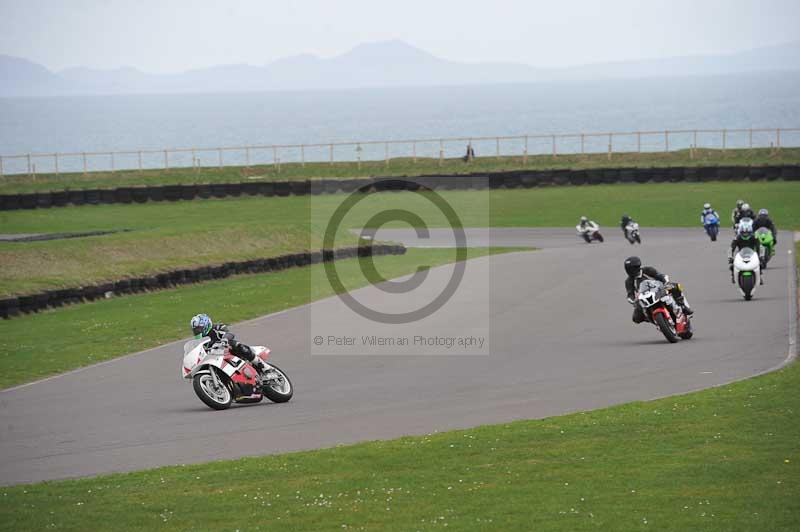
[(649, 285), (191, 345), (747, 254)]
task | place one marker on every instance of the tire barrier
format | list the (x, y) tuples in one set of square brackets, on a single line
[(508, 180), (30, 303)]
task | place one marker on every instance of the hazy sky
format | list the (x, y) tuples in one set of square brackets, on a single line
[(174, 35)]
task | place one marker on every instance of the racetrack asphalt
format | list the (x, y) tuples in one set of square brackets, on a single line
[(559, 339)]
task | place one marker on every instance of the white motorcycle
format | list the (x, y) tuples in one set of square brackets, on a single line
[(591, 231), (747, 272), (219, 377), (632, 233)]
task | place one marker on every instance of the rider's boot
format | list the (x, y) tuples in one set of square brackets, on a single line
[(259, 365), (684, 305)]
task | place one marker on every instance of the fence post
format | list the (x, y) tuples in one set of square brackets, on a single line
[(554, 146), (358, 156), (195, 165), (247, 157), (386, 154), (525, 152), (84, 163), (29, 164), (414, 151), (302, 156), (695, 139), (583, 141), (666, 141), (724, 139), (219, 158), (140, 160), (1, 166), (113, 166), (497, 142), (778, 138), (166, 160), (750, 134), (610, 145), (638, 142), (331, 154), (55, 157)]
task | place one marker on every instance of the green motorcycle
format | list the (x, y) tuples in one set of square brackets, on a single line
[(764, 236)]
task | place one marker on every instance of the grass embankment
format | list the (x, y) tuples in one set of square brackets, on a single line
[(724, 459), (79, 335), (397, 167), (186, 234)]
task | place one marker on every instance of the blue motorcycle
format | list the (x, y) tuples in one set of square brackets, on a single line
[(711, 224)]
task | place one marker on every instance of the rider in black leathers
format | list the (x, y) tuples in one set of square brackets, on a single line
[(736, 213), (763, 220), (623, 223), (638, 273), (203, 327), (744, 212)]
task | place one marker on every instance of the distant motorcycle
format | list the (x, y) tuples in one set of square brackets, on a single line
[(632, 233), (219, 377), (590, 232), (711, 225), (747, 272), (764, 236), (659, 307)]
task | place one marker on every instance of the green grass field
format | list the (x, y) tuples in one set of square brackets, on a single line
[(396, 167), (105, 329), (186, 234), (725, 459)]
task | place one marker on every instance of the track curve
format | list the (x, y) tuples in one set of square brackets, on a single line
[(561, 341)]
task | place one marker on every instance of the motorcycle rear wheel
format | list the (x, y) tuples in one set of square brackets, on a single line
[(666, 329), (218, 399)]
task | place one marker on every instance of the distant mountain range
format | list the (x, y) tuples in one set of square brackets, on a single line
[(382, 64)]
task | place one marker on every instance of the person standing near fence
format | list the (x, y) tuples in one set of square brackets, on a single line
[(470, 155)]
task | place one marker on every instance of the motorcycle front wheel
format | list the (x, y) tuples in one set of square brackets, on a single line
[(666, 329), (276, 385), (218, 398)]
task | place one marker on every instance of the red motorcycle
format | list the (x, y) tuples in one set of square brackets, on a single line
[(220, 378)]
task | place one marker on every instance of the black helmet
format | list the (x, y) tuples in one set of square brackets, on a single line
[(625, 217), (763, 213), (633, 265)]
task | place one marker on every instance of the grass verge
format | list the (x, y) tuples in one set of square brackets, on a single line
[(187, 234), (723, 459), (397, 167), (101, 330)]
